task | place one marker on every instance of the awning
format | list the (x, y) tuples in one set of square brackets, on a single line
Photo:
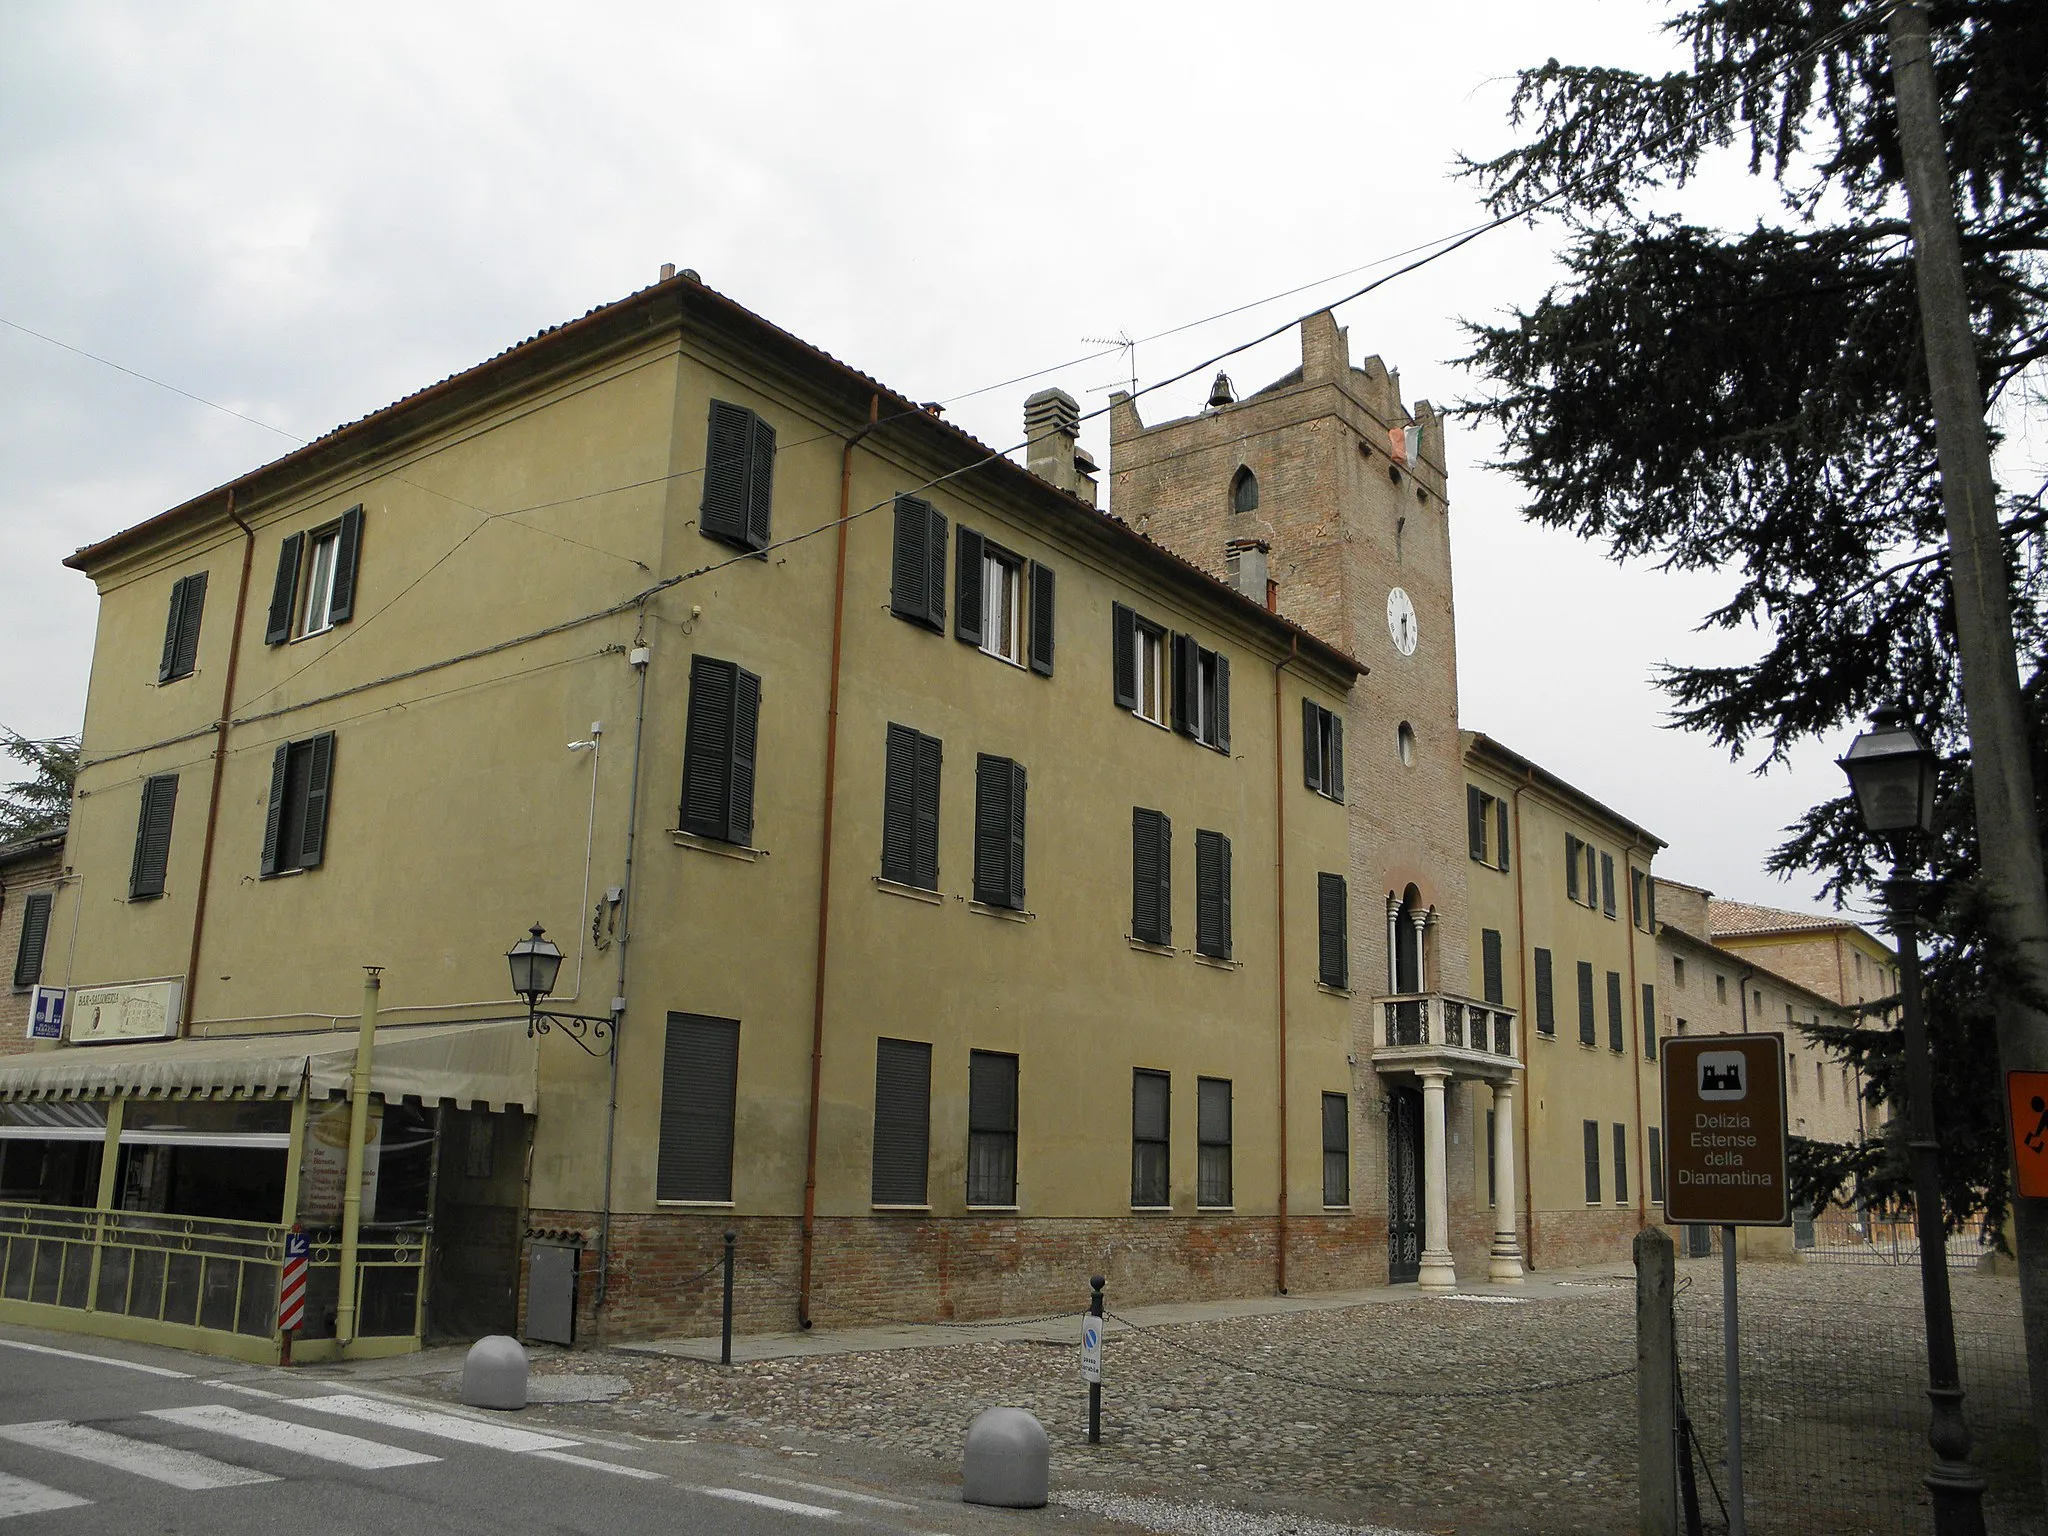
[(487, 1065)]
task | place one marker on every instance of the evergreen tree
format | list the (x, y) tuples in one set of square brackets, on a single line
[(42, 802)]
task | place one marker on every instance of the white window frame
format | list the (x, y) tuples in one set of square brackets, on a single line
[(323, 550), (1148, 667), (1002, 579)]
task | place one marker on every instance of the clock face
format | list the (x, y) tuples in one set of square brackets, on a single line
[(1401, 621)]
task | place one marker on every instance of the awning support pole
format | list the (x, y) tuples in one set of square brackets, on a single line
[(358, 1131), (110, 1188)]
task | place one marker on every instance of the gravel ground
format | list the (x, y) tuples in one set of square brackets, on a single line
[(1391, 1414)]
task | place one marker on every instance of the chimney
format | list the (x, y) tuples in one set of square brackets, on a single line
[(1246, 559), (668, 270), (1052, 450)]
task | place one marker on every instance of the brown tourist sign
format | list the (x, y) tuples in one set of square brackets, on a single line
[(1724, 1117)]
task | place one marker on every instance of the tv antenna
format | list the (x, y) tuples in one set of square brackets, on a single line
[(1123, 343)]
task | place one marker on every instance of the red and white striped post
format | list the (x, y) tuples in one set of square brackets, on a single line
[(291, 1290)]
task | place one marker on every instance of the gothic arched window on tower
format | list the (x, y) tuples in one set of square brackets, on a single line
[(1244, 490)]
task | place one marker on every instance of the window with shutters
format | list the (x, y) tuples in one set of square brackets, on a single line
[(35, 929), (1546, 999), (1649, 1022), (1592, 879), (1656, 1165), (295, 826), (1607, 884), (1621, 1165), (719, 745), (181, 628), (1592, 1134), (1571, 867), (1212, 895), (739, 477), (917, 565), (910, 808), (1151, 877), (1336, 1150), (1490, 975), (998, 832), (315, 588), (1212, 1139), (1322, 750), (1617, 1033), (1201, 693), (1333, 932), (1588, 1030), (903, 1122), (991, 1129), (1151, 1181), (1138, 664), (1004, 604), (1638, 913), (1486, 827), (153, 837), (699, 1091)]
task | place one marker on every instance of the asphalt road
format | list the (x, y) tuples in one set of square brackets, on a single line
[(99, 1436)]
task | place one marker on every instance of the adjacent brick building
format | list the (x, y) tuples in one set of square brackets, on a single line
[(30, 872)]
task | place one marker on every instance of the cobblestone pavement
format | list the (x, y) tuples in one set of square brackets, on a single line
[(1385, 1414)]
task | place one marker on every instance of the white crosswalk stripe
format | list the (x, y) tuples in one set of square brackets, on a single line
[(599, 1466), (428, 1421), (160, 1463), (19, 1496), (769, 1501), (304, 1439)]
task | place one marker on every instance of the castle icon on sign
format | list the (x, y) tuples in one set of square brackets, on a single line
[(1723, 1075)]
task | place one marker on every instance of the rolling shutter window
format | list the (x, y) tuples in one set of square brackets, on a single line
[(1649, 1022), (35, 928), (1311, 746), (153, 837), (1587, 1029), (1607, 884), (1617, 1035), (1656, 1165), (910, 809), (284, 590), (1500, 817), (1336, 1150), (719, 748), (917, 580), (1151, 1174), (1592, 1132), (903, 1121), (1151, 877), (1212, 1134), (1546, 1001), (1123, 642), (1621, 1165), (968, 595), (739, 477), (991, 1128), (1489, 964), (1475, 822), (699, 1088), (181, 628), (348, 552), (1333, 942), (1041, 619), (1212, 895), (998, 832)]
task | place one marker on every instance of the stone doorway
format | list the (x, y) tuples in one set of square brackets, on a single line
[(1404, 1185)]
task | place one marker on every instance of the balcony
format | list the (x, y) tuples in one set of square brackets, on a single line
[(1433, 1028)]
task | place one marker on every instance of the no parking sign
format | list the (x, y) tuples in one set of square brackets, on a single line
[(1091, 1349)]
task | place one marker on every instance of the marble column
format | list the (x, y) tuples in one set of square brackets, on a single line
[(1438, 1272), (1504, 1263)]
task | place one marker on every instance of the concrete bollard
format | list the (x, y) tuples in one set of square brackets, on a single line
[(494, 1375), (1007, 1460)]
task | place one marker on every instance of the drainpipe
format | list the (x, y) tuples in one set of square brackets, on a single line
[(1280, 939), (1528, 1023), (358, 1133), (1635, 992), (808, 1243), (220, 759)]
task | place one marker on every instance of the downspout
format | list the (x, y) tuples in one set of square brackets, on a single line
[(220, 758), (1528, 1020), (1742, 996), (1635, 992), (636, 658), (808, 1241), (1280, 940)]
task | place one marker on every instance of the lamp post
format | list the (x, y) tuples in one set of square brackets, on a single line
[(1892, 774), (536, 962)]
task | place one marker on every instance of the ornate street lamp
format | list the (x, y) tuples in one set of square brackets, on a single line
[(1892, 774), (536, 962)]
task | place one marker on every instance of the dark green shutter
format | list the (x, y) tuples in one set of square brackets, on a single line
[(761, 485), (719, 748), (1587, 1029), (166, 669), (319, 777), (273, 822), (1475, 822), (1212, 894), (1571, 867), (1311, 745), (1151, 877), (1652, 884), (1017, 835), (1617, 1034), (1500, 817), (1212, 1141), (924, 844), (1489, 964), (1592, 1133), (1657, 1165), (1336, 1150), (348, 551), (997, 788), (284, 590), (1333, 957), (935, 568), (1607, 884), (903, 1122), (991, 1128), (699, 1088), (153, 836), (1546, 996), (1186, 679), (1123, 641), (1041, 619), (181, 628), (1151, 1138), (917, 581), (899, 806), (35, 928), (1649, 1022), (1335, 789), (1621, 1165), (746, 727), (728, 466), (1221, 734), (967, 595)]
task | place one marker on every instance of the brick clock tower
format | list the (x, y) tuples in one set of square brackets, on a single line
[(1324, 496)]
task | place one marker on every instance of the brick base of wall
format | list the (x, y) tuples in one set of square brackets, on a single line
[(664, 1275), (1571, 1239)]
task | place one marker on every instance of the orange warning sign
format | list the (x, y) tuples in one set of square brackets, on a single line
[(2027, 1097)]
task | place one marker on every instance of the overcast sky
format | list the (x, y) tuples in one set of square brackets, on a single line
[(304, 212)]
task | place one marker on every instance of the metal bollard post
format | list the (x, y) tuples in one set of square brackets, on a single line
[(1095, 1387), (725, 1328)]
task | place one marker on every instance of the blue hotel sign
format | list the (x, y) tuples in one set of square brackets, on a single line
[(46, 1013)]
